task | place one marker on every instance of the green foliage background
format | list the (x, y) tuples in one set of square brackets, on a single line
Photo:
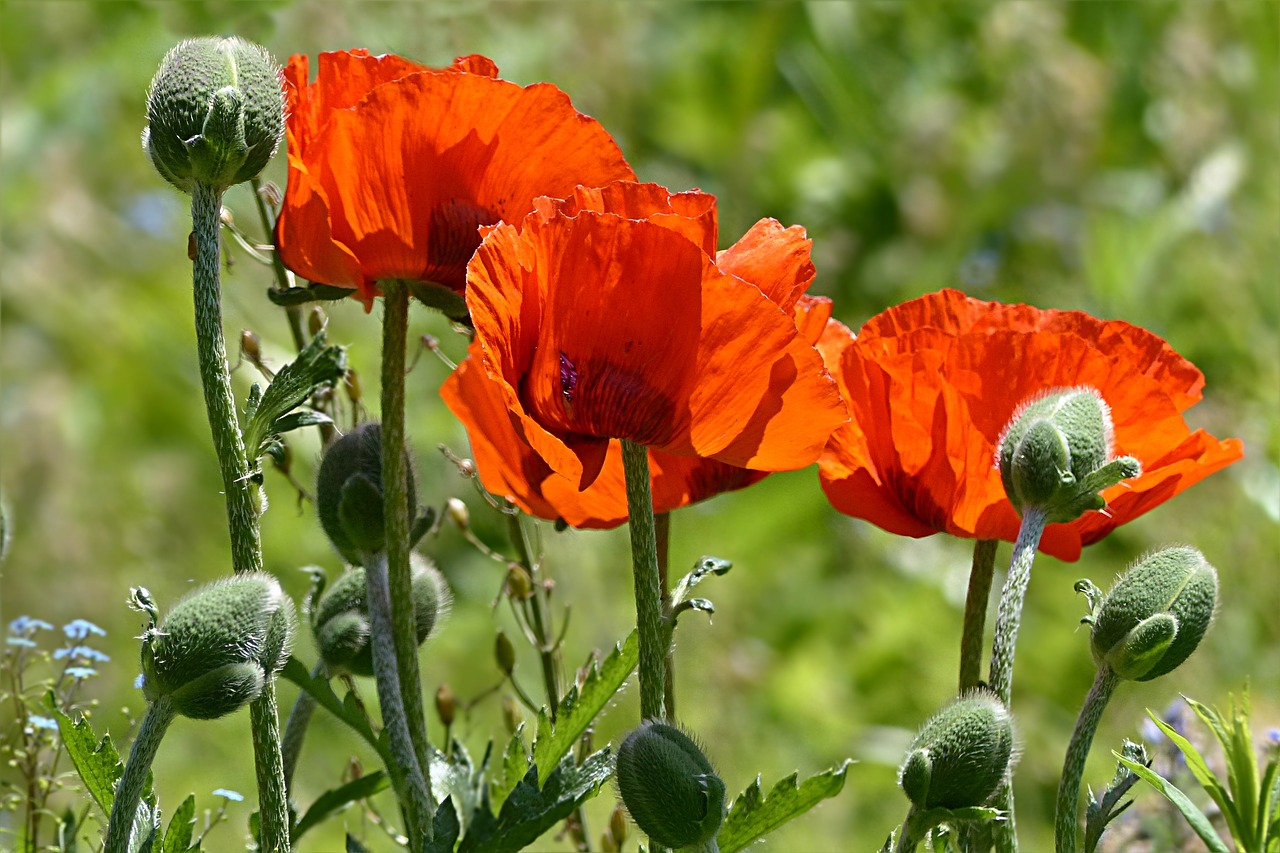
[(1119, 158)]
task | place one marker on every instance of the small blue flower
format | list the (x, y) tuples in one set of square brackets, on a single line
[(1273, 735), (139, 681), (78, 629), (34, 721), (230, 795), (81, 672), (20, 641), (81, 653), (25, 625)]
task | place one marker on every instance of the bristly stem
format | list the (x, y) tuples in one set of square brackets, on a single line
[(237, 484), (648, 588), (243, 494), (1066, 822), (129, 789), (395, 486), (662, 529), (975, 612), (1008, 618)]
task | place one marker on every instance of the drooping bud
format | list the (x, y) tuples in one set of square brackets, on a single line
[(217, 647), (669, 787), (317, 320), (519, 582), (349, 493), (504, 653), (512, 716), (961, 755), (215, 113), (458, 513), (1156, 614), (1055, 454), (446, 705), (340, 619)]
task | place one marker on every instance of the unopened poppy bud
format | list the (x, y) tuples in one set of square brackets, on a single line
[(512, 716), (961, 755), (458, 513), (519, 583), (668, 786), (446, 705), (217, 647), (1156, 614), (1055, 454), (215, 113), (504, 653), (340, 619), (349, 493), (316, 320)]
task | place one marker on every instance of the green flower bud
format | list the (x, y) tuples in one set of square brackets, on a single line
[(215, 113), (961, 755), (217, 647), (1055, 454), (340, 619), (669, 787), (1155, 615), (349, 493), (504, 653)]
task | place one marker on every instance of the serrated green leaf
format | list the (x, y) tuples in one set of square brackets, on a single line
[(317, 365), (338, 798), (1194, 817), (515, 761), (529, 811), (751, 816), (445, 829), (97, 761), (177, 838), (577, 710), (455, 777), (298, 420)]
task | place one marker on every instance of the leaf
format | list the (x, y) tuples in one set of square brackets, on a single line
[(454, 777), (515, 761), (1200, 769), (97, 761), (354, 846), (317, 365), (529, 811), (751, 817), (177, 838), (445, 829), (1100, 813), (579, 708), (347, 710), (299, 419), (1194, 817), (338, 798)]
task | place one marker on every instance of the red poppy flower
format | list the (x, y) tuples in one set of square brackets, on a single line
[(593, 325), (393, 166), (931, 383)]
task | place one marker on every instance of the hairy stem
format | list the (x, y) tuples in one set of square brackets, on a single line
[(129, 789), (662, 533), (975, 612), (912, 833), (648, 588), (1066, 819), (273, 803), (406, 771)]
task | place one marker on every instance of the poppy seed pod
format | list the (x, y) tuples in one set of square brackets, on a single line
[(1055, 454), (340, 620), (215, 113), (217, 647), (349, 493), (1155, 615), (961, 755), (669, 787)]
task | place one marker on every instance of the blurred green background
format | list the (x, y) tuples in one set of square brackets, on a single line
[(1119, 158)]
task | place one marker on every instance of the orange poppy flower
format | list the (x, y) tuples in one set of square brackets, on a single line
[(931, 383), (593, 325), (393, 166)]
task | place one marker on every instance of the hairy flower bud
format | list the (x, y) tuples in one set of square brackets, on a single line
[(340, 619), (1055, 454), (961, 755), (1156, 614), (217, 647), (668, 786), (349, 493), (215, 113)]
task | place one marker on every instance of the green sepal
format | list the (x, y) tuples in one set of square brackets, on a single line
[(317, 366), (444, 299), (360, 513), (752, 816), (1144, 646), (316, 292)]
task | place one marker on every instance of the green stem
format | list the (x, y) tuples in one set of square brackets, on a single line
[(662, 533), (295, 730), (273, 803), (406, 770), (395, 488), (1008, 618), (129, 790), (975, 612), (537, 617), (912, 833), (648, 590), (1066, 819), (241, 492)]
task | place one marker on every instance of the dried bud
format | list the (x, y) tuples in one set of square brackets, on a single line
[(349, 493), (961, 755), (316, 320), (218, 646), (1055, 454), (340, 619), (1155, 615), (519, 584), (351, 382), (512, 716), (446, 705), (504, 653), (215, 113), (668, 786), (251, 346), (618, 825)]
